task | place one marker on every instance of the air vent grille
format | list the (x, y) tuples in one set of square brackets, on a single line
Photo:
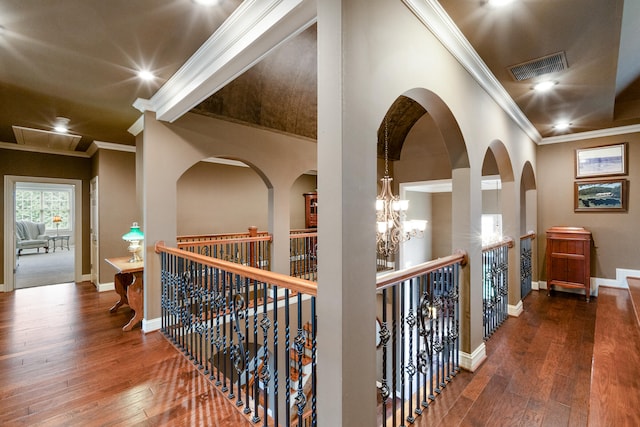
[(538, 67)]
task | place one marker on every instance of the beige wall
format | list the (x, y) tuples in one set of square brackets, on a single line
[(615, 235), (117, 205), (218, 198)]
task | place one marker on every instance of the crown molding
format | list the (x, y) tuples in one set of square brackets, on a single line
[(252, 31), (600, 133), (42, 150), (101, 145), (434, 17), (137, 126)]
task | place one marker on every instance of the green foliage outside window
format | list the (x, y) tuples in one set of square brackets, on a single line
[(43, 205)]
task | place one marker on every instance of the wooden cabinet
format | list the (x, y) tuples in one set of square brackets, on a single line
[(310, 209), (569, 258)]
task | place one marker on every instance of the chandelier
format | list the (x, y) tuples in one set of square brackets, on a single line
[(392, 227)]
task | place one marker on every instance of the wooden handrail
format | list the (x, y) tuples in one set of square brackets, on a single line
[(303, 235), (387, 280), (260, 238), (292, 283), (530, 235), (507, 241)]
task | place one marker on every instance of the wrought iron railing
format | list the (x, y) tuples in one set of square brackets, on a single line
[(229, 320), (526, 265), (495, 285), (303, 255), (418, 338)]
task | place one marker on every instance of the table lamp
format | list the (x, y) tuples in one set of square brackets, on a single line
[(57, 220), (134, 236)]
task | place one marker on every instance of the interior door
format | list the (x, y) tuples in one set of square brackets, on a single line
[(95, 258)]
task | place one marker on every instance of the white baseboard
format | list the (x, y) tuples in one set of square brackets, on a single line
[(471, 362), (2, 287), (151, 324), (619, 282), (101, 287), (86, 277), (535, 286), (515, 310)]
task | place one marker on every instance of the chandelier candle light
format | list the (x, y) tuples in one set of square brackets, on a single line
[(134, 236), (392, 226)]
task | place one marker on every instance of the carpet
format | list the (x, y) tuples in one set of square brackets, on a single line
[(37, 269)]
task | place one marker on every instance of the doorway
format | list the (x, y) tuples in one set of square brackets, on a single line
[(67, 236)]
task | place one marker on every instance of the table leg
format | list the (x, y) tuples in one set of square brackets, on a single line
[(121, 282), (135, 296)]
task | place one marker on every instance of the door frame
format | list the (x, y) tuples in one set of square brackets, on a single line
[(9, 224)]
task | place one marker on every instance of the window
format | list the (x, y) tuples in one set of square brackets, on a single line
[(41, 202), (491, 228)]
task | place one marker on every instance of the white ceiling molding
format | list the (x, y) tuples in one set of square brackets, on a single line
[(600, 133), (43, 150), (101, 145), (434, 17), (252, 31), (137, 126)]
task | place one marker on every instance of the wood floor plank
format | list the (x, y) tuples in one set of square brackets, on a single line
[(65, 361)]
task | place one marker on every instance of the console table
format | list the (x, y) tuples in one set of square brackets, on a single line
[(130, 287), (60, 238)]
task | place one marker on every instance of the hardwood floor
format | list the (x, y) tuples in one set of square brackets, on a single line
[(65, 361), (537, 373)]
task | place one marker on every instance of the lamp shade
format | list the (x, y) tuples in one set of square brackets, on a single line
[(57, 218), (133, 234)]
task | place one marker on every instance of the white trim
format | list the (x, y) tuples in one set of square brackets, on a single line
[(471, 362), (536, 286), (102, 287), (623, 273), (101, 145), (515, 310), (42, 150), (600, 133), (9, 224), (434, 17), (151, 324), (2, 287), (253, 30), (227, 162), (137, 126)]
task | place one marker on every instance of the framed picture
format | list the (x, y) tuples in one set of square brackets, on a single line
[(601, 196), (607, 160)]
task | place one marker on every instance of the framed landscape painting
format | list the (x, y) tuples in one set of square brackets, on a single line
[(601, 196), (607, 160)]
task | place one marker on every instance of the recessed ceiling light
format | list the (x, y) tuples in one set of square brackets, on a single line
[(544, 86), (562, 125), (146, 75), (61, 125)]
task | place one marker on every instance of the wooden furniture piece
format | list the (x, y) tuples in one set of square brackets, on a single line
[(569, 259), (310, 209), (129, 286)]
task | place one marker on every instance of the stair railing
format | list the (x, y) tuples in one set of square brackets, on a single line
[(249, 345), (526, 263), (418, 337), (495, 285)]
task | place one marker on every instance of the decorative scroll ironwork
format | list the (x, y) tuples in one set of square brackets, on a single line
[(420, 350), (495, 287), (228, 325), (526, 266)]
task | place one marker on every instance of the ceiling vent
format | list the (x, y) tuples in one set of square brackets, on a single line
[(540, 66)]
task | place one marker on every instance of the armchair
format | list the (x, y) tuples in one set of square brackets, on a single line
[(31, 235)]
